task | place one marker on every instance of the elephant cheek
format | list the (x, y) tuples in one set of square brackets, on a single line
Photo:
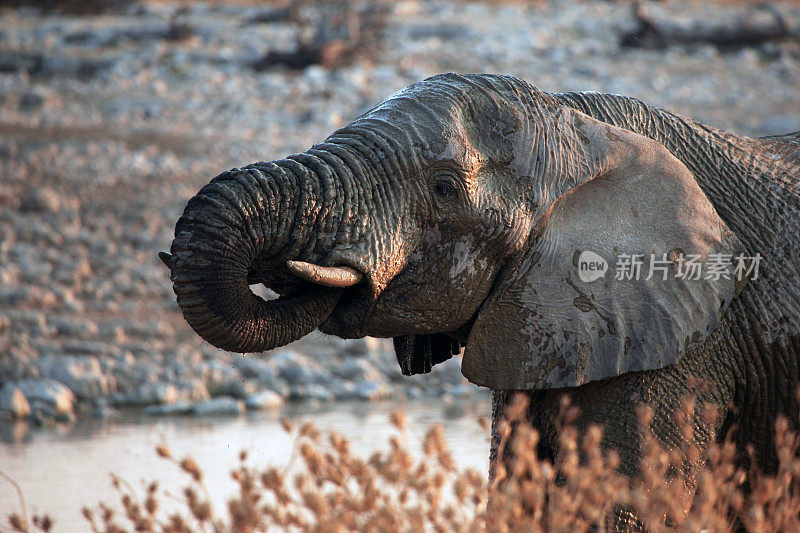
[(349, 320)]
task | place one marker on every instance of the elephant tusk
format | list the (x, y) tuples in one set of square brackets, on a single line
[(343, 276), (166, 258)]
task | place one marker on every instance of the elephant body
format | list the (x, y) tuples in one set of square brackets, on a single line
[(752, 361), (454, 215)]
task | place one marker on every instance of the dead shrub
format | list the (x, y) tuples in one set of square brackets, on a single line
[(333, 489)]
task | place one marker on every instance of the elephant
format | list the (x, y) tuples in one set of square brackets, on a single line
[(479, 213)]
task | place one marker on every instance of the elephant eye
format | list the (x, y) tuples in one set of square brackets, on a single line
[(444, 188)]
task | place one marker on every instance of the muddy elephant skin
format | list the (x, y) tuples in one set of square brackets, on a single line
[(462, 213)]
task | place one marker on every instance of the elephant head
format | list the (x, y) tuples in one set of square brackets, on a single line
[(456, 213)]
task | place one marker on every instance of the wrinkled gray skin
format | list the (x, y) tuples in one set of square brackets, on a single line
[(464, 202)]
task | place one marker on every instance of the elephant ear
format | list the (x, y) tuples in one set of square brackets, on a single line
[(564, 311), (416, 354)]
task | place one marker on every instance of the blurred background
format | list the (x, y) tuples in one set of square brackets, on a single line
[(114, 113)]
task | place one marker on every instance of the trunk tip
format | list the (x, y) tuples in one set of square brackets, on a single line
[(166, 258)]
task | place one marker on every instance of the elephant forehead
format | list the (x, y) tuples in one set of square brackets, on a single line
[(461, 151)]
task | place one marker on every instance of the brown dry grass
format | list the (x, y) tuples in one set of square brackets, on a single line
[(336, 490)]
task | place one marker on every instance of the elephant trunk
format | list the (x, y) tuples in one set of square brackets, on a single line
[(247, 221)]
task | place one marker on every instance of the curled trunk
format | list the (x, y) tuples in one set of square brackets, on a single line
[(260, 215)]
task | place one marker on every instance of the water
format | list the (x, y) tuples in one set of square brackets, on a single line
[(65, 468)]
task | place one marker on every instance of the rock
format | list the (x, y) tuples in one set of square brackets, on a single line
[(14, 61), (748, 57), (47, 398), (112, 333), (30, 101), (15, 432), (264, 399), (285, 356), (357, 370), (281, 388), (342, 390), (386, 363), (453, 407), (29, 321), (73, 272), (103, 410), (443, 31), (177, 408), (76, 327), (222, 405), (371, 390), (148, 394), (253, 367), (316, 75), (192, 390), (82, 374), (16, 363), (240, 389), (40, 199), (13, 401), (20, 296), (219, 376), (85, 347), (298, 370), (707, 52), (297, 374), (413, 393), (311, 391), (131, 374)]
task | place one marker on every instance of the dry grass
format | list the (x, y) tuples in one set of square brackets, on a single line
[(335, 490)]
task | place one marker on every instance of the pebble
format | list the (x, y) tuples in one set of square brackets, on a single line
[(342, 390), (40, 199), (311, 391), (220, 406), (371, 391), (148, 394), (193, 390), (240, 388), (357, 370), (103, 411), (47, 398), (13, 401), (219, 376), (177, 408), (82, 374), (30, 101), (131, 374), (264, 399), (254, 367), (5, 323), (76, 327), (299, 370)]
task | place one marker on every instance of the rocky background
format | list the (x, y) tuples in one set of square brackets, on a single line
[(113, 114)]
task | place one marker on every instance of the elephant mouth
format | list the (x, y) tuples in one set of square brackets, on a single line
[(350, 315), (357, 294)]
